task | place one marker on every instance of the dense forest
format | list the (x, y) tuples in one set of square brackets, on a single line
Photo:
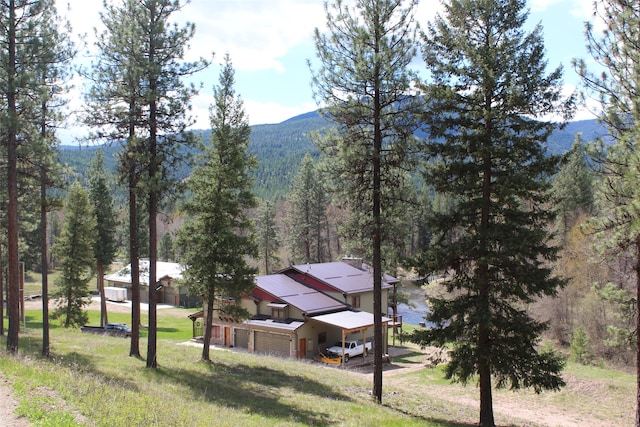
[(280, 148)]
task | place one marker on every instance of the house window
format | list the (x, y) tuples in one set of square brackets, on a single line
[(322, 337), (355, 301), (278, 313)]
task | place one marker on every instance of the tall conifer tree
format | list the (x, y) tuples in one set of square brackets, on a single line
[(217, 237), (488, 87), (308, 201), (166, 101), (24, 30), (267, 236), (617, 51), (365, 82), (104, 247), (74, 249), (115, 109)]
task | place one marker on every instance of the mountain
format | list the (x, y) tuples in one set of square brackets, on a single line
[(280, 148)]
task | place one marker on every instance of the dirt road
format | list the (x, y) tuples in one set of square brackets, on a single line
[(8, 405)]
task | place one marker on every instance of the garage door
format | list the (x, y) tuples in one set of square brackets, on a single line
[(241, 339), (269, 343)]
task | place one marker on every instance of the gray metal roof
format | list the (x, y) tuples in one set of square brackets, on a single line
[(349, 320), (304, 298), (341, 276)]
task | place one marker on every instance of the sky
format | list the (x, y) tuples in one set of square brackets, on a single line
[(270, 41)]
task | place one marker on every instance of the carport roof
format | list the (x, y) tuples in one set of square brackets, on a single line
[(349, 320)]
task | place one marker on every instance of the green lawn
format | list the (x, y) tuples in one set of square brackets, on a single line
[(91, 380)]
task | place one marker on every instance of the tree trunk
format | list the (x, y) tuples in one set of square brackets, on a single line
[(377, 236), (134, 350), (103, 298), (208, 323), (1, 294), (13, 300), (154, 196), (44, 259)]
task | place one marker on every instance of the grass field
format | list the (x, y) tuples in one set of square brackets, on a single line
[(91, 380)]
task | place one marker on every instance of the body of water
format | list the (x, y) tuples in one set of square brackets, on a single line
[(415, 313)]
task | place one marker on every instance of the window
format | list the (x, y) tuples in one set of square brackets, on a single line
[(278, 313), (322, 337), (355, 301)]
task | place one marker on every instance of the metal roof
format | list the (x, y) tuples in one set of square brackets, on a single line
[(163, 269), (304, 298), (341, 276), (349, 320)]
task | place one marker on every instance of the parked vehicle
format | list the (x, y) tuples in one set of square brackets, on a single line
[(116, 294), (113, 329), (351, 349)]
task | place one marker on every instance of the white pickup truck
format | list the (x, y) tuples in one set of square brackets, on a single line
[(351, 349)]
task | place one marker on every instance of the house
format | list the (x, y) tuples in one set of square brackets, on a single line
[(301, 310), (167, 273)]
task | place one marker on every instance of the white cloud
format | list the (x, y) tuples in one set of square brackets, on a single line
[(256, 33)]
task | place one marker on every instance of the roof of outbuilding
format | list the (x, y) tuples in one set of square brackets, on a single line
[(304, 298), (341, 276), (163, 269)]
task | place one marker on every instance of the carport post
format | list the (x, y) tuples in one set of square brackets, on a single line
[(343, 338)]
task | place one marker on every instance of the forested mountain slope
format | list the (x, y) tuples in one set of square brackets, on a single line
[(280, 148)]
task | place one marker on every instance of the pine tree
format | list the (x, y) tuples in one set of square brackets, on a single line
[(166, 101), (104, 248), (165, 248), (216, 239), (74, 248), (308, 202), (115, 110), (365, 82), (617, 51), (25, 31), (267, 236), (488, 87), (55, 52), (573, 188)]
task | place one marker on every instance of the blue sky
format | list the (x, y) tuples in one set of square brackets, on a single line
[(269, 42)]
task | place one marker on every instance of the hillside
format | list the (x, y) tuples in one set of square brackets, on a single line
[(91, 380), (280, 148)]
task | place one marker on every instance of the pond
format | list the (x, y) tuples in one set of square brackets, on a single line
[(415, 313)]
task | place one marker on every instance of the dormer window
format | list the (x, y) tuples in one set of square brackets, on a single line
[(278, 310)]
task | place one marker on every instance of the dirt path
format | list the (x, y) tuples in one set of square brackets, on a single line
[(8, 405)]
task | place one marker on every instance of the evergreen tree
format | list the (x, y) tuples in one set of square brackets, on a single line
[(74, 249), (267, 236), (165, 248), (104, 248), (216, 239), (617, 51), (573, 188), (115, 109), (24, 36), (488, 85), (166, 101), (365, 82), (308, 201), (55, 51)]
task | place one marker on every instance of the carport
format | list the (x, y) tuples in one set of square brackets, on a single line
[(353, 321)]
